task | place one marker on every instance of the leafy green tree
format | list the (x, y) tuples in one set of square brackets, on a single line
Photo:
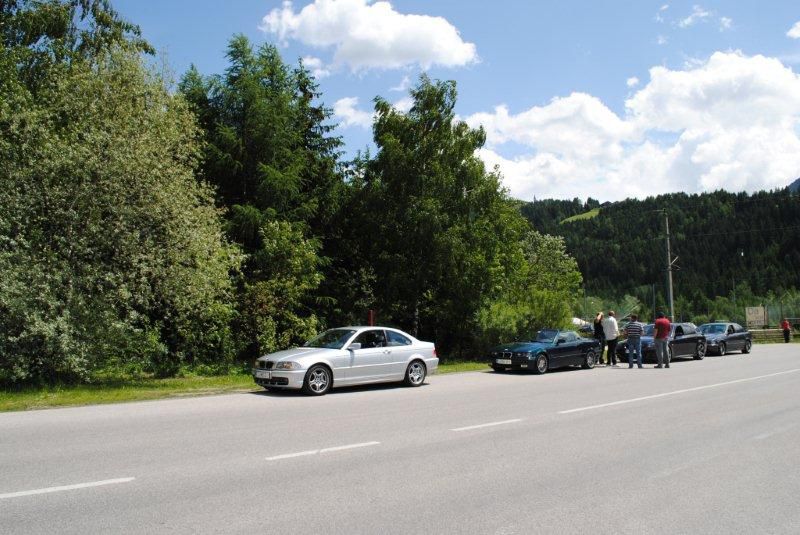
[(539, 294), (442, 237), (111, 253)]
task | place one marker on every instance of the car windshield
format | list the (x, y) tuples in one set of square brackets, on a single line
[(546, 335), (713, 328), (332, 339), (648, 329)]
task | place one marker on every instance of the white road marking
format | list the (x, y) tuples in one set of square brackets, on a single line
[(292, 455), (323, 450), (349, 447), (66, 487), (779, 430), (491, 424), (675, 392)]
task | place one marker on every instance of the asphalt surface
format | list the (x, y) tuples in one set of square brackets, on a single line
[(703, 447)]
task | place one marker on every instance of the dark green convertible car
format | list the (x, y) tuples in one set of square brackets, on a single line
[(549, 348)]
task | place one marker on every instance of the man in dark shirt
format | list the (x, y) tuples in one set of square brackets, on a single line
[(661, 340)]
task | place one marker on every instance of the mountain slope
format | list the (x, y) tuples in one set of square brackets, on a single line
[(722, 239)]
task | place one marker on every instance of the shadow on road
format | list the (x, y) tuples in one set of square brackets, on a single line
[(279, 392)]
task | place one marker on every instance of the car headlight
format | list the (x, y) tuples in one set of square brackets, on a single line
[(287, 366)]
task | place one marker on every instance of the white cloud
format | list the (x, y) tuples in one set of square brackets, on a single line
[(698, 15), (371, 35), (660, 14), (403, 86), (316, 66), (731, 122), (794, 32), (725, 23), (346, 111), (404, 104), (661, 40), (632, 81)]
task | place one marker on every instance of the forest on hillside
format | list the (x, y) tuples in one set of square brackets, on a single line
[(149, 228), (733, 250)]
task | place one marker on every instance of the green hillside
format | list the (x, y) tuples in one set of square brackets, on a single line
[(728, 245), (586, 215)]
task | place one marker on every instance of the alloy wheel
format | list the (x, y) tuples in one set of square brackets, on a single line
[(416, 373)]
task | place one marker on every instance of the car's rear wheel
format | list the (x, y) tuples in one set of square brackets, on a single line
[(317, 381), (748, 345), (589, 360), (700, 351), (541, 363), (722, 349), (415, 373)]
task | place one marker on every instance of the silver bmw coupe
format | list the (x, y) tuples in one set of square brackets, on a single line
[(348, 356)]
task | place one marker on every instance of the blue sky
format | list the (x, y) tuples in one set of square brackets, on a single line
[(579, 98)]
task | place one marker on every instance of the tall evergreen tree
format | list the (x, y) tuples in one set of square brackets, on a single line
[(270, 154)]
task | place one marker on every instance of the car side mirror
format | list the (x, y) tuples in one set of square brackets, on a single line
[(354, 346)]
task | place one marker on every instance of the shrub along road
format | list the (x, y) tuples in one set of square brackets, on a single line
[(705, 446)]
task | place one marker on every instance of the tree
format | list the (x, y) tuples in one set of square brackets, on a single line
[(111, 253), (441, 234), (273, 162), (539, 295)]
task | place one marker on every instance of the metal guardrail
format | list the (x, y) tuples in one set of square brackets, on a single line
[(767, 335)]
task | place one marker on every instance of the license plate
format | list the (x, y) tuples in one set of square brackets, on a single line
[(262, 374), (523, 365), (503, 361)]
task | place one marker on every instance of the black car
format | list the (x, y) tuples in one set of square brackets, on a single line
[(684, 341), (550, 348), (722, 337)]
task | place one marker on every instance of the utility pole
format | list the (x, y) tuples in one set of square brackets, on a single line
[(670, 261), (654, 301)]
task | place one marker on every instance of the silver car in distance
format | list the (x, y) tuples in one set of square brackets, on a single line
[(348, 356)]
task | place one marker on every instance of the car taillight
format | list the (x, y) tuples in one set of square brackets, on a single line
[(435, 354)]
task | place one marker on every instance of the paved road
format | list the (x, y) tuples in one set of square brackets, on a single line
[(704, 447)]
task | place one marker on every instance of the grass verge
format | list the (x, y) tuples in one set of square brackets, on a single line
[(122, 390)]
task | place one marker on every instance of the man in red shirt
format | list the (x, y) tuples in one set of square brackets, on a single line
[(661, 331), (787, 330)]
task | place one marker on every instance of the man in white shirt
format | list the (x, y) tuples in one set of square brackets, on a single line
[(611, 331)]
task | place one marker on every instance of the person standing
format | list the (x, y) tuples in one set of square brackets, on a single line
[(787, 330), (633, 331), (599, 335), (661, 331), (611, 333)]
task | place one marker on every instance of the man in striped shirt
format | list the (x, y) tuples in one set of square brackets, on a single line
[(634, 332)]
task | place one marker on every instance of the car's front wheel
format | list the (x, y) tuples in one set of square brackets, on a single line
[(317, 381), (415, 373), (700, 352), (541, 363), (589, 360), (722, 349), (748, 345)]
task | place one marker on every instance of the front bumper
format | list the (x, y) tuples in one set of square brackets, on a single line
[(279, 378), (515, 362), (648, 352)]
